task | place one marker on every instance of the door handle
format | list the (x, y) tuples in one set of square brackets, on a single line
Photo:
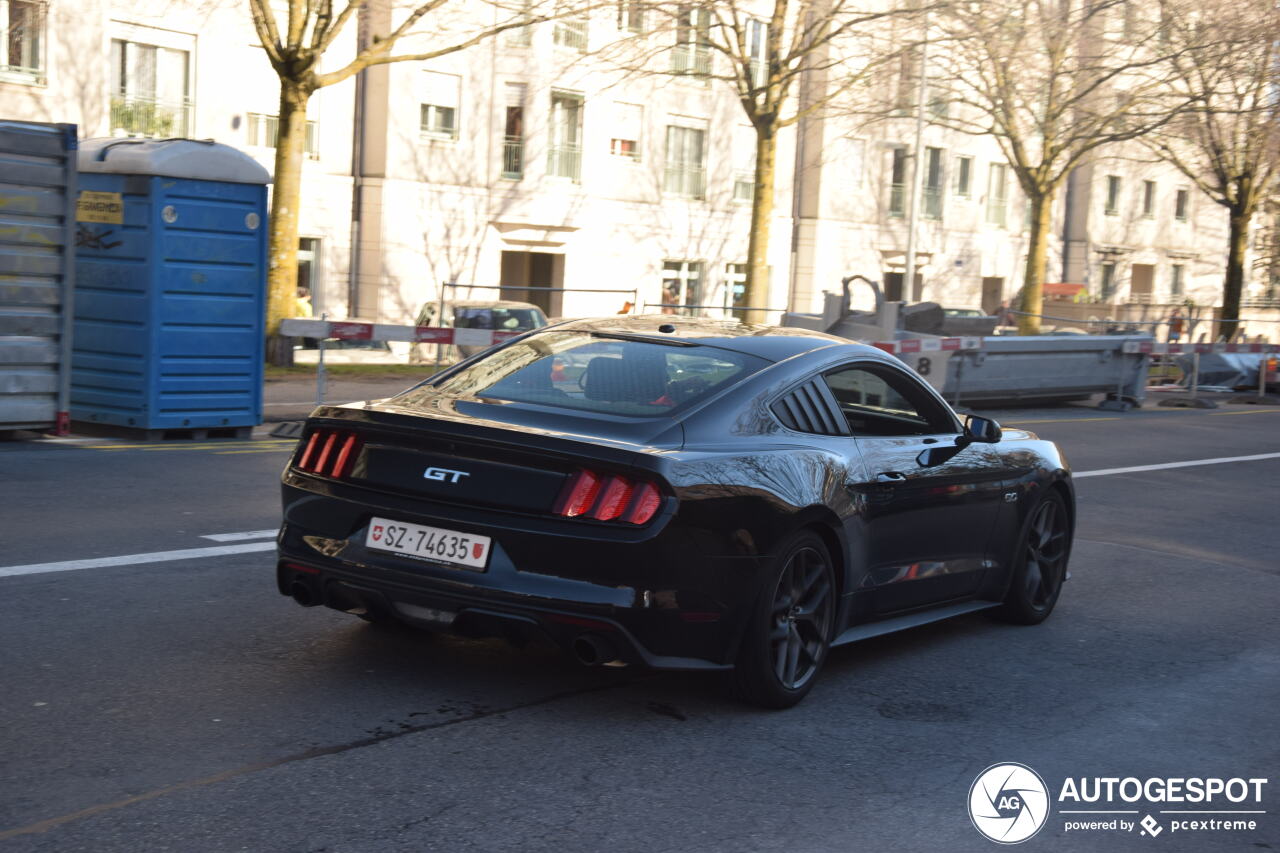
[(890, 477)]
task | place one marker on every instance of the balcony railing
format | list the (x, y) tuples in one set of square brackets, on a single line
[(137, 116), (1141, 298), (897, 200), (565, 161), (1261, 302), (691, 60), (685, 179), (932, 202), (571, 33), (513, 157)]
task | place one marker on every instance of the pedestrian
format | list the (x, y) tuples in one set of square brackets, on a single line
[(302, 306), (1004, 315), (1176, 325)]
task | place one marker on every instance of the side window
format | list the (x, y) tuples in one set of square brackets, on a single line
[(877, 401)]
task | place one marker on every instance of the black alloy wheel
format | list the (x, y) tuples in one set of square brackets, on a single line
[(791, 626), (1041, 563)]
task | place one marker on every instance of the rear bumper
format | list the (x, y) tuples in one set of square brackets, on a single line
[(659, 602)]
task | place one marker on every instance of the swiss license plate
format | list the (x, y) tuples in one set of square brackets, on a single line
[(428, 543)]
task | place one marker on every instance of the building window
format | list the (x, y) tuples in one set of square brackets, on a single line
[(571, 32), (1148, 199), (757, 45), (1177, 280), (898, 183), (933, 183), (264, 132), (998, 194), (513, 132), (938, 104), (630, 16), (1108, 280), (686, 173), (522, 36), (735, 284), (440, 105), (1180, 202), (309, 273), (150, 90), (564, 151), (681, 287), (964, 177), (22, 36), (692, 52), (744, 164), (1112, 206), (628, 119)]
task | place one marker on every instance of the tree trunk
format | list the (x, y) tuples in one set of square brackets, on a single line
[(757, 286), (1032, 300), (282, 236), (1233, 285)]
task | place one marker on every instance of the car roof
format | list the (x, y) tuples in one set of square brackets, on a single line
[(774, 343), (485, 303)]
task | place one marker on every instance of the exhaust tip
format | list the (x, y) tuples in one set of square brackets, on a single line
[(591, 650), (302, 594)]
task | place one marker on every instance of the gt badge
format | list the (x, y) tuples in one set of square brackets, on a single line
[(444, 474)]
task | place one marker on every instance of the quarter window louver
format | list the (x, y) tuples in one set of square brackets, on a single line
[(808, 409)]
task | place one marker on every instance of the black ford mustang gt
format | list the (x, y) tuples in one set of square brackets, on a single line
[(680, 494)]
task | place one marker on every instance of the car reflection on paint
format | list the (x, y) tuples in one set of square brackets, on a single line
[(678, 494)]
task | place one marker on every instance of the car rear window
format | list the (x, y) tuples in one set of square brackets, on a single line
[(576, 370)]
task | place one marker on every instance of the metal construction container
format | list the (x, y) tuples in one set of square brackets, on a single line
[(37, 271), (171, 287)]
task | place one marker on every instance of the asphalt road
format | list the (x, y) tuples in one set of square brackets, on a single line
[(184, 705)]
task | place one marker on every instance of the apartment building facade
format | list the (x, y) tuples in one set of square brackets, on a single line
[(526, 162)]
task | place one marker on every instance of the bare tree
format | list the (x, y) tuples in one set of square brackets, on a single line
[(1051, 81), (785, 61), (1227, 65), (297, 37)]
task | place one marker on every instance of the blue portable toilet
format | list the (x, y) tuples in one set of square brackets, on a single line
[(170, 291)]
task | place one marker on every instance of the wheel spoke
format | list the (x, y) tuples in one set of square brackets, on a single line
[(1034, 580), (787, 672)]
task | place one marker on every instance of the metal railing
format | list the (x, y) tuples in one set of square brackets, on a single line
[(513, 157), (138, 116), (572, 33), (685, 179), (1141, 298), (565, 161), (692, 60), (932, 202), (897, 200)]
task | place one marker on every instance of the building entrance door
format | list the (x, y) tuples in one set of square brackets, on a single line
[(523, 270), (992, 293)]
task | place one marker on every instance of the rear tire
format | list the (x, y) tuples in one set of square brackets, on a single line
[(1040, 563), (789, 629)]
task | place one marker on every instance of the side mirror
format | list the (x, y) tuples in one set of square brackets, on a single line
[(981, 430)]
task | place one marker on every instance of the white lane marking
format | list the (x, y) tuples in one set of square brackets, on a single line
[(1103, 472), (135, 559), (242, 535)]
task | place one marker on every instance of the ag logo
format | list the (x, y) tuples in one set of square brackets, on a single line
[(1008, 803)]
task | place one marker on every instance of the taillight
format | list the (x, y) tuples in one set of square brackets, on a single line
[(579, 494), (608, 497), (644, 505), (330, 453)]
